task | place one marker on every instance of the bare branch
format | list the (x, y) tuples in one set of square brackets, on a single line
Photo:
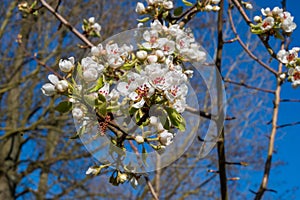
[(249, 86), (66, 23), (244, 46)]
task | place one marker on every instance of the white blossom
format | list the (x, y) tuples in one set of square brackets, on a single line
[(91, 20), (55, 85), (77, 113), (294, 75), (215, 1), (266, 12), (208, 7), (140, 8), (152, 58), (168, 5), (66, 65), (257, 18), (248, 6), (90, 75), (142, 55), (139, 139), (93, 170), (267, 23), (151, 38), (277, 11), (288, 57), (165, 138)]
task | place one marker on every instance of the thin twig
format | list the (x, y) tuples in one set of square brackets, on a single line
[(290, 100), (249, 22), (290, 124), (66, 23), (244, 46), (151, 188), (268, 163), (249, 86)]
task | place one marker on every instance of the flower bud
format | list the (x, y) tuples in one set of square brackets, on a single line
[(282, 76), (208, 8), (92, 20), (121, 177), (93, 170), (159, 53), (66, 65), (257, 18), (248, 6), (168, 5), (142, 55), (62, 86), (48, 89), (216, 8), (152, 58), (140, 8), (139, 139)]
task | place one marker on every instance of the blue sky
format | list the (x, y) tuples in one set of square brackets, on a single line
[(287, 141)]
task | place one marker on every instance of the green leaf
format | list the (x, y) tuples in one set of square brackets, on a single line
[(64, 106), (102, 109), (144, 155), (90, 100), (257, 31), (143, 20), (176, 119), (187, 3), (98, 85), (101, 97), (178, 11)]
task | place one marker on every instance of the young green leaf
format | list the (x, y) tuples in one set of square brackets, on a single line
[(64, 106)]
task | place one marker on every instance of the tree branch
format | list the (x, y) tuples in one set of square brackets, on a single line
[(66, 23), (244, 46), (249, 86), (221, 142)]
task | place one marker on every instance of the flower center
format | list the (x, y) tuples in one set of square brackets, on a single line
[(290, 57), (297, 76), (142, 91)]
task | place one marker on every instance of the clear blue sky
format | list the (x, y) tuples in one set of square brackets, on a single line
[(288, 139)]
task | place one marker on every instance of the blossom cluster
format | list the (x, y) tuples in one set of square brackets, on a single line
[(273, 21), (292, 61), (152, 74), (91, 28)]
